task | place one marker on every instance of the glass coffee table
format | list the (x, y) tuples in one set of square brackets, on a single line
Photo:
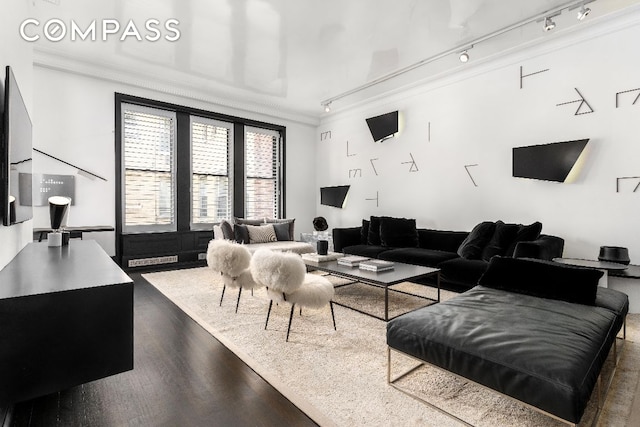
[(383, 279)]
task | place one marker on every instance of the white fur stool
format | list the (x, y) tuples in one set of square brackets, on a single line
[(232, 261), (285, 276)]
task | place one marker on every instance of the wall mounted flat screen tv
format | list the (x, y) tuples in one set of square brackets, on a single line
[(334, 196), (384, 126), (16, 152), (549, 162)]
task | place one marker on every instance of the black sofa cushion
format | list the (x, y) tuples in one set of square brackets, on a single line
[(364, 232), (417, 256), (526, 233), (369, 251), (503, 236), (546, 353), (398, 232), (472, 246), (448, 241), (373, 236), (544, 279), (463, 271)]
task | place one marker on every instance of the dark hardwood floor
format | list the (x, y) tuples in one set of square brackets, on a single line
[(182, 377)]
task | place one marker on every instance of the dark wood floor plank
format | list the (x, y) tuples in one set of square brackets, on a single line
[(182, 376)]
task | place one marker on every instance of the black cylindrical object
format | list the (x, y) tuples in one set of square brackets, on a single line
[(322, 247)]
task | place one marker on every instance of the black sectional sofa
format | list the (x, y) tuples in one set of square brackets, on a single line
[(536, 331), (462, 256)]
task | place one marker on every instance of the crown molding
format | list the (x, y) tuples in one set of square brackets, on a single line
[(49, 58)]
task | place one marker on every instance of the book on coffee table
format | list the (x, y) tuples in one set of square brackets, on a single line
[(351, 260), (376, 265), (317, 258)]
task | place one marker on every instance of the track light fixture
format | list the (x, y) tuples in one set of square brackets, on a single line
[(549, 24), (583, 12), (464, 56), (327, 108)]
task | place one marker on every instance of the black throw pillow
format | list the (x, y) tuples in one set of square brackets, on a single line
[(373, 237), (398, 232), (526, 233), (472, 246), (544, 279), (241, 233), (503, 236), (282, 231), (227, 230), (364, 232)]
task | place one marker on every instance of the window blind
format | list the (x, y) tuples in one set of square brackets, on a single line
[(211, 178), (262, 173), (149, 170)]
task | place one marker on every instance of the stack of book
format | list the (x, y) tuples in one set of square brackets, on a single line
[(351, 260), (376, 265), (317, 258)]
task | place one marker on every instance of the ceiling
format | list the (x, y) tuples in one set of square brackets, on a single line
[(293, 54)]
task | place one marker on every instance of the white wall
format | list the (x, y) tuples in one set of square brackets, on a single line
[(476, 116), (76, 122), (18, 54)]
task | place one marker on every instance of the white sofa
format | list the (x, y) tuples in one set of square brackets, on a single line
[(280, 245)]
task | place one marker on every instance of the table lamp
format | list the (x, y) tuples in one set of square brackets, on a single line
[(58, 214)]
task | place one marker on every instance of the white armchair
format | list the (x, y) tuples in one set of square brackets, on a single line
[(285, 276), (232, 261)]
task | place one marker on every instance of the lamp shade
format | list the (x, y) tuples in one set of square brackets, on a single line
[(58, 211)]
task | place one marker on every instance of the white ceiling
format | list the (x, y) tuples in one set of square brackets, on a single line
[(293, 54)]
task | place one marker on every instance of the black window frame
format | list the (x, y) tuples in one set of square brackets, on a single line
[(183, 161)]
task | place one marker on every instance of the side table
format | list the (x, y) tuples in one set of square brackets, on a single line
[(607, 267)]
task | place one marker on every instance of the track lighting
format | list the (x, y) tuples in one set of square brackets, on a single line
[(583, 12), (549, 24), (326, 107), (464, 56)]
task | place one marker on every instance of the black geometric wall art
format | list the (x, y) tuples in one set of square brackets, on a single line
[(618, 180), (376, 199), (583, 107), (548, 162), (334, 196), (354, 173), (466, 167), (325, 135), (384, 126), (348, 153), (412, 162), (522, 76), (374, 166), (627, 91)]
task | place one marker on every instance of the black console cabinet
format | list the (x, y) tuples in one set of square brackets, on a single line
[(66, 318)]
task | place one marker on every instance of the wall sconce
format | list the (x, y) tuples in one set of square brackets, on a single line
[(548, 162), (384, 126)]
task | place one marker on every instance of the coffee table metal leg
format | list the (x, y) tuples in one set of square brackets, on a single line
[(386, 303)]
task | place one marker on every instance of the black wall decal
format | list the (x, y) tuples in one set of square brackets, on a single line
[(334, 196), (583, 102), (377, 199), (466, 167), (627, 177), (325, 135), (522, 76), (412, 162), (348, 153), (549, 162), (355, 173), (627, 91), (374, 166)]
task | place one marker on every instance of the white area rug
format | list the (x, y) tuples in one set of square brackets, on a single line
[(339, 377)]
